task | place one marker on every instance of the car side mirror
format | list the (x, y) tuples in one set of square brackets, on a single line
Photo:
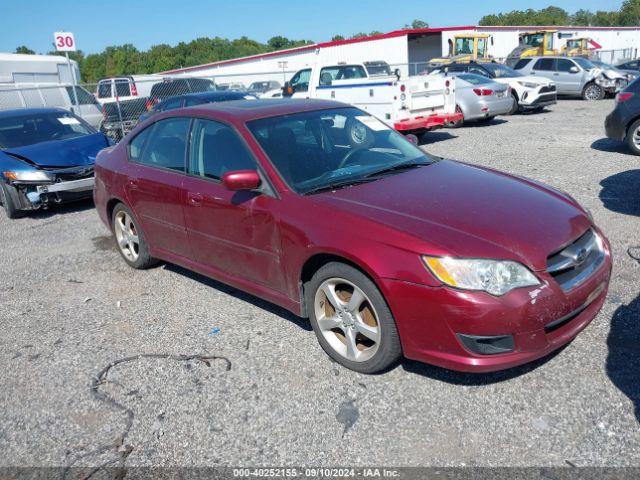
[(241, 180), (574, 70), (287, 90)]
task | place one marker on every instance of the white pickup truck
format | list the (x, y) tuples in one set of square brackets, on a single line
[(411, 105)]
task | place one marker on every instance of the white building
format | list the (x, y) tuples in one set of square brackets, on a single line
[(18, 69), (409, 50)]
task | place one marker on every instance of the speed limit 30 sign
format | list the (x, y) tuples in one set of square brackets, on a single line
[(64, 41)]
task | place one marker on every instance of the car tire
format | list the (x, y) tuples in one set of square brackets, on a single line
[(361, 336), (458, 123), (8, 196), (634, 131), (592, 92), (130, 239), (516, 105)]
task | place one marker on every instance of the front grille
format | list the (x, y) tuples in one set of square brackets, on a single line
[(547, 89), (71, 174), (575, 263)]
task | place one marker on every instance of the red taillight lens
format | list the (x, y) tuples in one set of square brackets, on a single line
[(134, 90), (447, 83), (483, 92), (403, 88), (623, 97)]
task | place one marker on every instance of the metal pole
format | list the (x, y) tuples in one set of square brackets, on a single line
[(73, 82)]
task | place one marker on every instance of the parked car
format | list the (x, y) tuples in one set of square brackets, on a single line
[(191, 99), (623, 123), (170, 87), (632, 65), (234, 87), (529, 92), (480, 99), (622, 77), (275, 93), (258, 88), (125, 88), (51, 95), (573, 76), (323, 209), (46, 156)]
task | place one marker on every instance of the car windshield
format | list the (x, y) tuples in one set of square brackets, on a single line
[(23, 130), (584, 63), (502, 71), (327, 149)]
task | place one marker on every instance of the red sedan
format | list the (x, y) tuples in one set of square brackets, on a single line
[(320, 208)]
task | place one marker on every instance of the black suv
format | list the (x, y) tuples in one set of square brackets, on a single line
[(170, 87), (624, 122)]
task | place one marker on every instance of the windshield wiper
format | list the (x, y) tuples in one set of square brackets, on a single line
[(336, 185), (397, 168)]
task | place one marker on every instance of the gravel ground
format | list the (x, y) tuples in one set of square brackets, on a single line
[(70, 307)]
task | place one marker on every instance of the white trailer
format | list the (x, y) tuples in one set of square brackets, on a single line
[(19, 69), (411, 105)]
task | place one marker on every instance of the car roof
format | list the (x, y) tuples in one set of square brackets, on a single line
[(214, 94), (246, 110), (19, 112)]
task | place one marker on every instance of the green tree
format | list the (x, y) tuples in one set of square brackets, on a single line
[(25, 50), (582, 18), (418, 24), (336, 38), (629, 14)]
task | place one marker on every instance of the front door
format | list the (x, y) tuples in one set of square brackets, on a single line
[(568, 81), (236, 233), (154, 188)]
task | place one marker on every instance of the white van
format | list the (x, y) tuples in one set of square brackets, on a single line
[(125, 88), (34, 95)]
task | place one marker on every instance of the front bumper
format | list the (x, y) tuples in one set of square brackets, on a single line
[(32, 196), (540, 98), (435, 323), (422, 122)]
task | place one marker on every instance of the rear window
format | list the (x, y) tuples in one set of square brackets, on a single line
[(201, 85), (104, 89), (84, 97), (474, 79), (523, 62), (123, 89), (170, 89)]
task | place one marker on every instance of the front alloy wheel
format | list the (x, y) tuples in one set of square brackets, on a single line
[(593, 92)]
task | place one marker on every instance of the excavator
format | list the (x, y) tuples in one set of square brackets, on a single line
[(580, 47), (470, 47), (532, 44)]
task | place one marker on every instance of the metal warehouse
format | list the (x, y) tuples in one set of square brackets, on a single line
[(408, 49)]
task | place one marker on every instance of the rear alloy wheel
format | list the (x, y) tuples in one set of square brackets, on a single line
[(633, 137), (130, 239), (351, 320), (592, 92), (457, 123), (8, 203)]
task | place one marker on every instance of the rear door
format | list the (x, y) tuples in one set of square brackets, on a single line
[(154, 188), (233, 232)]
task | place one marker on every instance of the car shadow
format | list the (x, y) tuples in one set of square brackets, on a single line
[(434, 137), (480, 124), (623, 359), (60, 209), (609, 145), (475, 379), (621, 192), (240, 295)]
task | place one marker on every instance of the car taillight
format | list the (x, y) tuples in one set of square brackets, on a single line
[(403, 88), (483, 92), (623, 97), (134, 90)]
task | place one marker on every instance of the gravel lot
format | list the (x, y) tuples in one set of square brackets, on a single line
[(70, 306)]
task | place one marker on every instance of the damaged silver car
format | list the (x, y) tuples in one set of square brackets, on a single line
[(47, 156)]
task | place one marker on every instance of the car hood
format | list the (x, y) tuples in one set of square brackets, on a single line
[(466, 211), (74, 152), (533, 79)]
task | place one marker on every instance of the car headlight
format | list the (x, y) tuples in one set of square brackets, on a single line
[(528, 84), (28, 176), (496, 277)]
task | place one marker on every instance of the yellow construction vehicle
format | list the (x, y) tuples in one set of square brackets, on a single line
[(580, 47), (533, 44), (469, 47)]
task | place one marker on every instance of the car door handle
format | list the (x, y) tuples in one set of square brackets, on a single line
[(194, 199), (133, 184)]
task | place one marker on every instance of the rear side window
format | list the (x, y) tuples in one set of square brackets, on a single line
[(342, 72), (201, 85), (545, 64), (123, 89), (165, 147), (523, 62), (215, 149), (104, 89), (84, 97)]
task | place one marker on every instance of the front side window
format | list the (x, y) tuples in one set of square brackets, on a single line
[(300, 81), (564, 65), (84, 97), (165, 147), (23, 130), (584, 63), (333, 148), (216, 149)]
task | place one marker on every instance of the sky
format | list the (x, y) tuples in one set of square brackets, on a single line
[(143, 23)]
